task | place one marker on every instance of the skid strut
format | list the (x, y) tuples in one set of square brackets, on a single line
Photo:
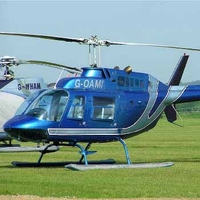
[(44, 151), (83, 151), (126, 151), (84, 157)]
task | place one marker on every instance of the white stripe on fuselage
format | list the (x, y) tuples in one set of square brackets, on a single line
[(82, 131)]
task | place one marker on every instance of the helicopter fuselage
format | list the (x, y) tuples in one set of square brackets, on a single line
[(101, 105)]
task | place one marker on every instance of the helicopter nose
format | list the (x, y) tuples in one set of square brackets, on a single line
[(22, 128)]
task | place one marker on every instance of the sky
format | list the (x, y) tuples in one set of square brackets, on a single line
[(161, 22)]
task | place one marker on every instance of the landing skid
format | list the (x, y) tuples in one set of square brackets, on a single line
[(60, 164), (48, 149), (83, 159), (78, 167), (9, 145), (15, 149), (83, 163)]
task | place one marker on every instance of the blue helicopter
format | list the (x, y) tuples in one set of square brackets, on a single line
[(100, 105)]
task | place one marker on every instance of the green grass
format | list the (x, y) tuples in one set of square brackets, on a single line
[(166, 142)]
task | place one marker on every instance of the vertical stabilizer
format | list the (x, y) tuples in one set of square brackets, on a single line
[(178, 72), (175, 79)]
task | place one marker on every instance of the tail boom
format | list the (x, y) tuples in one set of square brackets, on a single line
[(191, 93)]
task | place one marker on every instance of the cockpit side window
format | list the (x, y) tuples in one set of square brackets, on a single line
[(103, 108), (77, 108)]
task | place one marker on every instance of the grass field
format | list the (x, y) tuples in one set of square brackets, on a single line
[(167, 142)]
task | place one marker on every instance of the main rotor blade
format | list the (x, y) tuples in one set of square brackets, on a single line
[(66, 39), (94, 40), (108, 43), (55, 65)]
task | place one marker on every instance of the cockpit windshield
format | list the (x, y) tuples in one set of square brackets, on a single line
[(49, 105), (28, 101)]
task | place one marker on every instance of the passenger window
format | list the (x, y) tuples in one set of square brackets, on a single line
[(132, 82), (103, 108), (141, 83), (121, 81), (136, 82), (127, 82), (77, 109)]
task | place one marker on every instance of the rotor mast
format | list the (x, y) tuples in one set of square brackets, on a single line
[(94, 60), (94, 52)]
